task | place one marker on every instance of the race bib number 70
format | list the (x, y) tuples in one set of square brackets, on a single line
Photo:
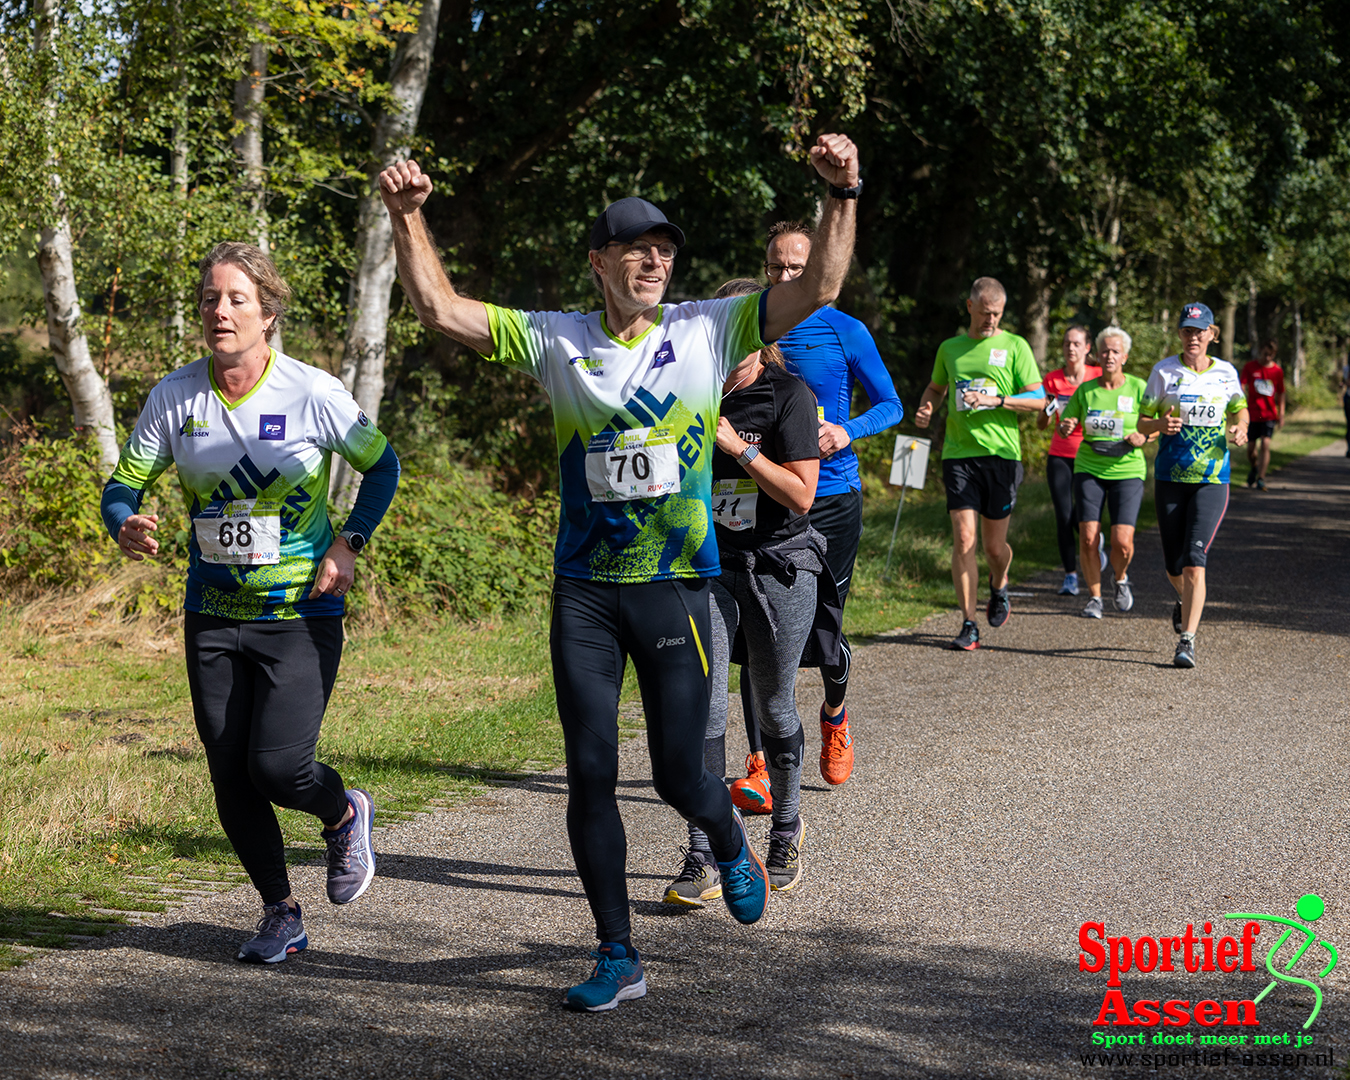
[(636, 464)]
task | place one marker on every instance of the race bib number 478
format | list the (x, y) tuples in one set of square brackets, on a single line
[(636, 464), (1197, 412)]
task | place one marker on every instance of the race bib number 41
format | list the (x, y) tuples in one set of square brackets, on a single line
[(733, 504), (637, 464), (244, 532)]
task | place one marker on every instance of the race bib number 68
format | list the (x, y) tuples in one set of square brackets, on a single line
[(243, 532)]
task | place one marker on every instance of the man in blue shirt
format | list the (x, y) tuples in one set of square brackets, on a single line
[(831, 352)]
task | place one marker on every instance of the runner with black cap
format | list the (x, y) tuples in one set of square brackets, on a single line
[(1195, 403), (635, 390)]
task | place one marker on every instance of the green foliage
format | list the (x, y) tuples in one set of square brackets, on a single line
[(450, 543), (48, 538)]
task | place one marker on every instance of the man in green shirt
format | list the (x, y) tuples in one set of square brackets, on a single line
[(988, 376)]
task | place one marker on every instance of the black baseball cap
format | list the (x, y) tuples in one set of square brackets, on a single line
[(626, 220), (1197, 315)]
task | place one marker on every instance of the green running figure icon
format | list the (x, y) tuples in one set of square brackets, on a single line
[(1310, 907)]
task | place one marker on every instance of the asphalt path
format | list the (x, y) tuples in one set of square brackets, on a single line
[(1064, 774)]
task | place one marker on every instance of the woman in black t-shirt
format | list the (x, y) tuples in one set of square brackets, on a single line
[(764, 471)]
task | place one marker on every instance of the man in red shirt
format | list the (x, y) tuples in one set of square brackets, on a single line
[(1263, 383)]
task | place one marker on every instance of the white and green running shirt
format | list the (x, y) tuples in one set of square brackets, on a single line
[(636, 423), (254, 475), (1205, 401)]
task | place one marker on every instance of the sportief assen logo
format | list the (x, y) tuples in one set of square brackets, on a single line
[(1192, 953)]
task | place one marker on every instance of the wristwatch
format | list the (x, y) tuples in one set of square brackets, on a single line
[(846, 192), (1001, 400), (748, 454), (355, 540)]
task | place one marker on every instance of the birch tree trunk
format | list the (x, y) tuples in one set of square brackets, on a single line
[(178, 171), (89, 395), (249, 93), (363, 356)]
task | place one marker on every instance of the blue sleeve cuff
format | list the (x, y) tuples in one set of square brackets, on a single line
[(119, 502), (378, 485)]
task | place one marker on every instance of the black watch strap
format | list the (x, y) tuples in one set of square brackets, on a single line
[(846, 192)]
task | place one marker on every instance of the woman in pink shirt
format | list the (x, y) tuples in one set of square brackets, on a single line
[(1059, 386)]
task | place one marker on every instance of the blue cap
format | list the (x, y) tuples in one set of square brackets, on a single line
[(626, 220), (1197, 315)]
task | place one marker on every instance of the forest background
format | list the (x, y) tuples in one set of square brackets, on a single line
[(1107, 160)]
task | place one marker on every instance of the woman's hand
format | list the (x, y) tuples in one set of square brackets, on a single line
[(1136, 438), (337, 569), (1067, 425), (727, 439), (134, 539)]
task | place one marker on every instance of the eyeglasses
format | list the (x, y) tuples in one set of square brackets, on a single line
[(640, 249), (778, 269)]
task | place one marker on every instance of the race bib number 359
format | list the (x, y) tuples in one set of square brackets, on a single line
[(245, 532), (637, 464), (1104, 424)]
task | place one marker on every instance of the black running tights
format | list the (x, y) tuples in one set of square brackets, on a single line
[(1059, 476), (666, 629), (259, 690)]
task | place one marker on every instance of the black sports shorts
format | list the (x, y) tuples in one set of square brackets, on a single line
[(987, 485)]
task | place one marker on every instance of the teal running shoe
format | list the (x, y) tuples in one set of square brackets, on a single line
[(745, 883), (617, 977)]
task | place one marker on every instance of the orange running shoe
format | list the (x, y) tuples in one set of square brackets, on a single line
[(836, 749), (752, 794)]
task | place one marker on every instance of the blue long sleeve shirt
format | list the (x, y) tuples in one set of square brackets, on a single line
[(832, 352)]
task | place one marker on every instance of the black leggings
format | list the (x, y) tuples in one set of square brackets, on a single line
[(839, 519), (665, 627), (259, 690), (1059, 475), (1188, 520)]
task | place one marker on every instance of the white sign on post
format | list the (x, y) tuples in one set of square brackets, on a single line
[(909, 462)]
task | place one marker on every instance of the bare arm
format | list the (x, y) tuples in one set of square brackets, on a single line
[(404, 188), (1007, 401), (932, 397), (791, 484), (836, 159)]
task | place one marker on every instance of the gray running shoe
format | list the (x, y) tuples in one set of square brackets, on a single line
[(1093, 609), (280, 933), (697, 882), (968, 638), (784, 861), (351, 858), (1185, 656), (1124, 596)]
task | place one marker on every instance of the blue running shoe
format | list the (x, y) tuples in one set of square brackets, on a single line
[(351, 858), (1070, 585), (617, 977), (745, 882), (280, 933)]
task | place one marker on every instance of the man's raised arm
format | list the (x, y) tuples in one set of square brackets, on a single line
[(836, 159), (404, 188)]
